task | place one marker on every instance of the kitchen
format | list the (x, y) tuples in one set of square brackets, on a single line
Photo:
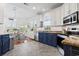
[(39, 29)]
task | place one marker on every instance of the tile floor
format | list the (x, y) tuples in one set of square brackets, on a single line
[(33, 48)]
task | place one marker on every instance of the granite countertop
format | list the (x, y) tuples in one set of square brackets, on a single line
[(72, 41), (56, 32), (3, 33)]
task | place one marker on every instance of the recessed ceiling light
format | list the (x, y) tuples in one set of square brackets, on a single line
[(34, 8)]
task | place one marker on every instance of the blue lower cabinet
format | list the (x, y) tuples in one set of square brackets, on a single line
[(5, 44), (48, 38), (67, 50), (45, 37), (0, 45), (40, 37), (52, 40)]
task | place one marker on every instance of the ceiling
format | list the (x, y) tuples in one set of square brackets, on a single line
[(36, 8)]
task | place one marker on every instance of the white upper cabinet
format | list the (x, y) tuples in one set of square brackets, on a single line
[(70, 8), (73, 7), (62, 14), (78, 6), (59, 13), (1, 13), (58, 16), (66, 9), (63, 11), (52, 14)]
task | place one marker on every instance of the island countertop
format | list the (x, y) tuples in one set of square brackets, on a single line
[(73, 41)]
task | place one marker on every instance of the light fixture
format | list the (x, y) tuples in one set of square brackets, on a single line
[(34, 8)]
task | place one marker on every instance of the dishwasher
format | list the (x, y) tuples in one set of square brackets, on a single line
[(60, 46)]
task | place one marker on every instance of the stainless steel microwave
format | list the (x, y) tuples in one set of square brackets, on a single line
[(72, 18), (67, 20)]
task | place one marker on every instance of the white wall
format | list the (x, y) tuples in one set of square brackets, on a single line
[(18, 14), (2, 27)]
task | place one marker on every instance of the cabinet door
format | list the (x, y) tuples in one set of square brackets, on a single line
[(73, 7), (75, 51), (40, 37), (46, 38), (1, 12), (5, 43), (49, 39), (66, 9), (0, 45), (57, 16), (67, 50), (62, 14), (53, 15), (52, 40)]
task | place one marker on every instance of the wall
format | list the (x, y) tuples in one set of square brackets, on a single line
[(18, 14), (2, 27)]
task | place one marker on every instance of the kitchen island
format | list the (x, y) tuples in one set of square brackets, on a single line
[(69, 44)]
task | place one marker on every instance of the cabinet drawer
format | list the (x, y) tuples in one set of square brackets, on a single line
[(75, 53), (75, 48)]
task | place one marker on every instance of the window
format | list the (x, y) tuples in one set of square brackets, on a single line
[(47, 21)]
